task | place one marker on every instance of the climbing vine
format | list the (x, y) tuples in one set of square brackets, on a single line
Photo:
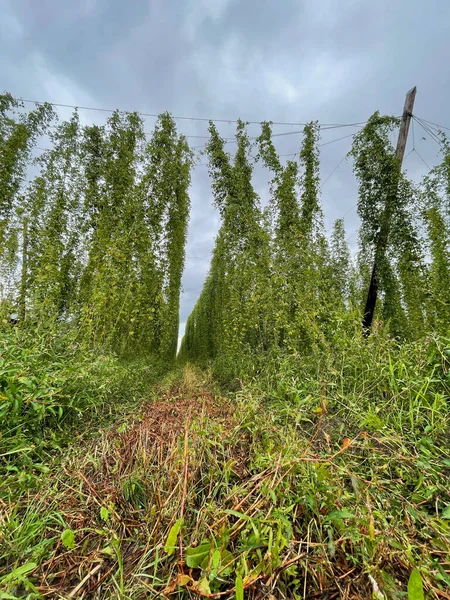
[(95, 239), (93, 232), (435, 207), (277, 281)]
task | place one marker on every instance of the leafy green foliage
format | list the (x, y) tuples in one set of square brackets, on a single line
[(328, 467), (276, 282), (198, 555), (104, 513), (415, 586), (239, 588), (96, 240), (18, 577), (49, 386), (171, 541), (18, 134), (261, 289), (68, 538), (230, 311), (323, 473)]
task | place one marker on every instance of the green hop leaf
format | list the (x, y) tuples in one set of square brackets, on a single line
[(68, 538)]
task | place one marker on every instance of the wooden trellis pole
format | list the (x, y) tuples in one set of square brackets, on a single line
[(383, 236)]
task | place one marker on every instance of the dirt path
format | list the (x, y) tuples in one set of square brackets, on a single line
[(120, 495)]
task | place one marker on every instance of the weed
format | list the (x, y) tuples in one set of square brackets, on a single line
[(313, 480)]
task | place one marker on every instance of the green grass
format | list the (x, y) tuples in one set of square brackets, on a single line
[(324, 478), (54, 391)]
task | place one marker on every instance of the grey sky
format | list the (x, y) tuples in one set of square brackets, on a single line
[(336, 61)]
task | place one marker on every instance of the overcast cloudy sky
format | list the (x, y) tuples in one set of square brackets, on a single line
[(335, 61)]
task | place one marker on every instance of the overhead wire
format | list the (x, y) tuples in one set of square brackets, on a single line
[(426, 125), (285, 133), (428, 131), (435, 124), (354, 232), (229, 140), (185, 118), (424, 162), (338, 139), (421, 122), (150, 133), (252, 139), (414, 149), (333, 171), (296, 153), (284, 155)]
